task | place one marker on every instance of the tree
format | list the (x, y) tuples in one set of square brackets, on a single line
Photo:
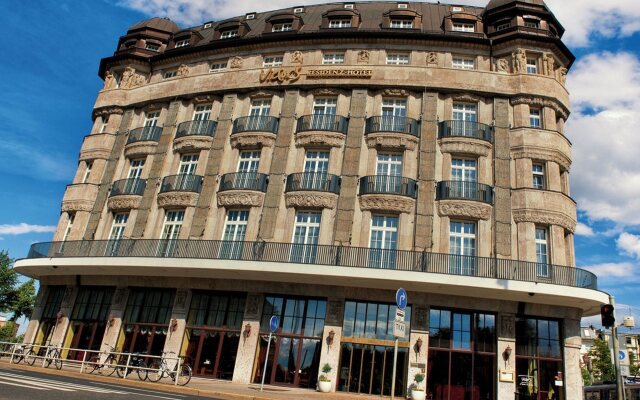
[(634, 369), (8, 281), (601, 362), (586, 376), (24, 300)]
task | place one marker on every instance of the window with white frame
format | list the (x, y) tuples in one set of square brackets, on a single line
[(182, 43), (534, 118), (272, 61), (151, 118), (172, 225), (105, 123), (87, 171), (532, 66), (537, 171), (530, 23), (67, 232), (394, 112), (260, 107), (324, 111), (383, 241), (283, 27), (401, 24), (152, 46), (403, 5), (464, 119), (542, 250), (169, 74), (463, 27), (118, 226), (463, 178), (298, 10), (188, 164), (397, 58), (306, 232), (229, 34), (503, 26), (250, 16), (207, 25), (218, 66), (135, 168), (349, 6), (333, 58), (388, 173), (462, 247), (464, 63), (316, 162), (249, 161), (340, 23), (202, 112), (235, 230)]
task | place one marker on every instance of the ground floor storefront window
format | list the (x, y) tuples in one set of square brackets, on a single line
[(49, 318), (146, 321), (213, 331), (539, 361), (294, 354), (88, 320), (366, 354), (462, 355)]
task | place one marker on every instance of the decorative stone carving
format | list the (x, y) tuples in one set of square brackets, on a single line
[(540, 102), (192, 143), (387, 202), (109, 81), (177, 199), (536, 153), (235, 62), (388, 140), (140, 149), (203, 99), (252, 140), (131, 79), (261, 94), (502, 65), (363, 57), (545, 217), (297, 57), (563, 75), (335, 312), (183, 70), (432, 58), (253, 306), (507, 326), (465, 145), (467, 97), (394, 92), (519, 58), (106, 111), (77, 205), (548, 63), (327, 92), (153, 107), (319, 139), (240, 198), (94, 154), (311, 200), (464, 209), (124, 202)]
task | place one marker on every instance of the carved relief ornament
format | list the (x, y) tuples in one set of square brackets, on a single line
[(261, 94), (545, 217), (542, 154), (105, 112), (502, 65), (519, 58), (177, 199), (183, 70), (191, 143), (203, 99), (319, 139), (386, 202), (540, 102), (464, 209), (77, 205), (363, 57), (432, 58), (394, 92), (467, 97), (138, 149), (109, 81), (311, 200), (386, 140), (457, 145), (131, 79), (297, 57), (240, 198), (235, 62), (327, 92), (124, 202), (252, 140)]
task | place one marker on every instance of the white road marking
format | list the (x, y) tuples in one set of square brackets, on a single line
[(22, 386), (35, 383)]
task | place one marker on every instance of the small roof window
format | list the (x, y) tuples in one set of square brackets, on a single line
[(207, 25), (403, 5), (250, 16), (349, 6), (298, 10)]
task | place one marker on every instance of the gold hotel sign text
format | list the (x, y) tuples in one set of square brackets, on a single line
[(292, 74)]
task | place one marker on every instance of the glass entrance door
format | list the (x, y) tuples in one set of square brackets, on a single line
[(367, 369)]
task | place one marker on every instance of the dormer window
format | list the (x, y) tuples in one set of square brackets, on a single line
[(340, 23), (234, 28), (457, 9), (340, 18), (403, 6), (207, 25), (502, 27), (529, 23), (283, 27), (182, 43), (402, 19), (401, 24), (298, 10), (349, 6), (250, 16), (152, 46), (229, 34), (463, 27)]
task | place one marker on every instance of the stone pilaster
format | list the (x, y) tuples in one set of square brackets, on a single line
[(249, 338), (350, 166), (506, 339), (330, 353), (418, 346), (114, 320), (177, 324), (502, 167), (426, 172), (34, 321), (572, 374)]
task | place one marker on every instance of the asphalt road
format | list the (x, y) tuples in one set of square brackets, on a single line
[(28, 385)]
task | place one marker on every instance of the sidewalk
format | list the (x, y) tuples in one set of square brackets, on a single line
[(200, 387)]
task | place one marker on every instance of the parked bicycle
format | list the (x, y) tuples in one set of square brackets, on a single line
[(135, 363), (162, 369), (108, 367), (51, 355), (22, 352)]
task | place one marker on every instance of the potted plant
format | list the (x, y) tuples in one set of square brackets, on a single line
[(417, 393), (324, 383)]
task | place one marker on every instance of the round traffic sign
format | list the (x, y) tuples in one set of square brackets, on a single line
[(622, 355), (401, 298), (274, 323)]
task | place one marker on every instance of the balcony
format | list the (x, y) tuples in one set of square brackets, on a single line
[(392, 124), (388, 193), (194, 136), (180, 190), (142, 141), (312, 190), (242, 189), (126, 194), (323, 122), (79, 197), (97, 146), (463, 190), (466, 129), (255, 123)]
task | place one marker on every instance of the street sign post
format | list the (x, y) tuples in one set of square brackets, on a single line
[(398, 331), (401, 298), (274, 324)]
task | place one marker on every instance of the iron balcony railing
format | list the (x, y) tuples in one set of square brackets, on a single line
[(323, 122), (388, 184), (464, 190), (181, 183), (144, 134), (244, 181), (470, 129), (255, 123), (131, 186), (390, 123), (313, 181), (196, 128), (340, 256)]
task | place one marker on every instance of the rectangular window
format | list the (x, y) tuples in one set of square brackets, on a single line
[(305, 237), (216, 310), (462, 247), (118, 226), (229, 34), (316, 162), (397, 59), (464, 63), (152, 46), (250, 16), (149, 306), (92, 304), (298, 10), (248, 163), (464, 170), (371, 320), (463, 27), (151, 118), (340, 23), (534, 118), (403, 5), (464, 119), (235, 230), (135, 168), (394, 113), (542, 251), (538, 176), (218, 66), (188, 164), (170, 233), (207, 25), (349, 6), (301, 316), (389, 164), (333, 58), (272, 61), (324, 111), (284, 27), (182, 43), (383, 241), (105, 124), (502, 27), (54, 300), (202, 113), (169, 74), (532, 66), (87, 171), (67, 232), (401, 24), (532, 24)]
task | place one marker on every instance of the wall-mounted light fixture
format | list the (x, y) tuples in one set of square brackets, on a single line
[(506, 355), (247, 331), (330, 337), (174, 325)]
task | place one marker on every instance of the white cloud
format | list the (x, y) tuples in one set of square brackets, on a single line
[(613, 270), (21, 229), (629, 244), (584, 230)]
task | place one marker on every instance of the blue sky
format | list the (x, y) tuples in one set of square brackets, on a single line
[(49, 82)]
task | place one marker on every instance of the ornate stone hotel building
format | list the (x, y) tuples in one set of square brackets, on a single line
[(307, 162)]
